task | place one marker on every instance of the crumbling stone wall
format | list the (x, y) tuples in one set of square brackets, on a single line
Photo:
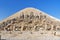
[(30, 22)]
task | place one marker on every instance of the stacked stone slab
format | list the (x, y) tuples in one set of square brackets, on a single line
[(30, 19)]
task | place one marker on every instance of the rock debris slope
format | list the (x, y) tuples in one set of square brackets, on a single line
[(30, 21)]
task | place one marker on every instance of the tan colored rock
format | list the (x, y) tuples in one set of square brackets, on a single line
[(30, 20)]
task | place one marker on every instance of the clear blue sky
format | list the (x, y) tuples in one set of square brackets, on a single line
[(9, 7)]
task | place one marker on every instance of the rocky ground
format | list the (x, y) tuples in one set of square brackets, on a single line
[(29, 36)]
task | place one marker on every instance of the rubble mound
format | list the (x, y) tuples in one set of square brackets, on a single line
[(30, 19)]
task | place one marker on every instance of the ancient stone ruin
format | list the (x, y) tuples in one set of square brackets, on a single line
[(30, 19)]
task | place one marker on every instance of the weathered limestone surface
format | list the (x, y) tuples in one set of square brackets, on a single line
[(29, 21)]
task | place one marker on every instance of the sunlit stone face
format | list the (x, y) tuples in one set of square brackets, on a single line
[(27, 19), (17, 28), (30, 21)]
